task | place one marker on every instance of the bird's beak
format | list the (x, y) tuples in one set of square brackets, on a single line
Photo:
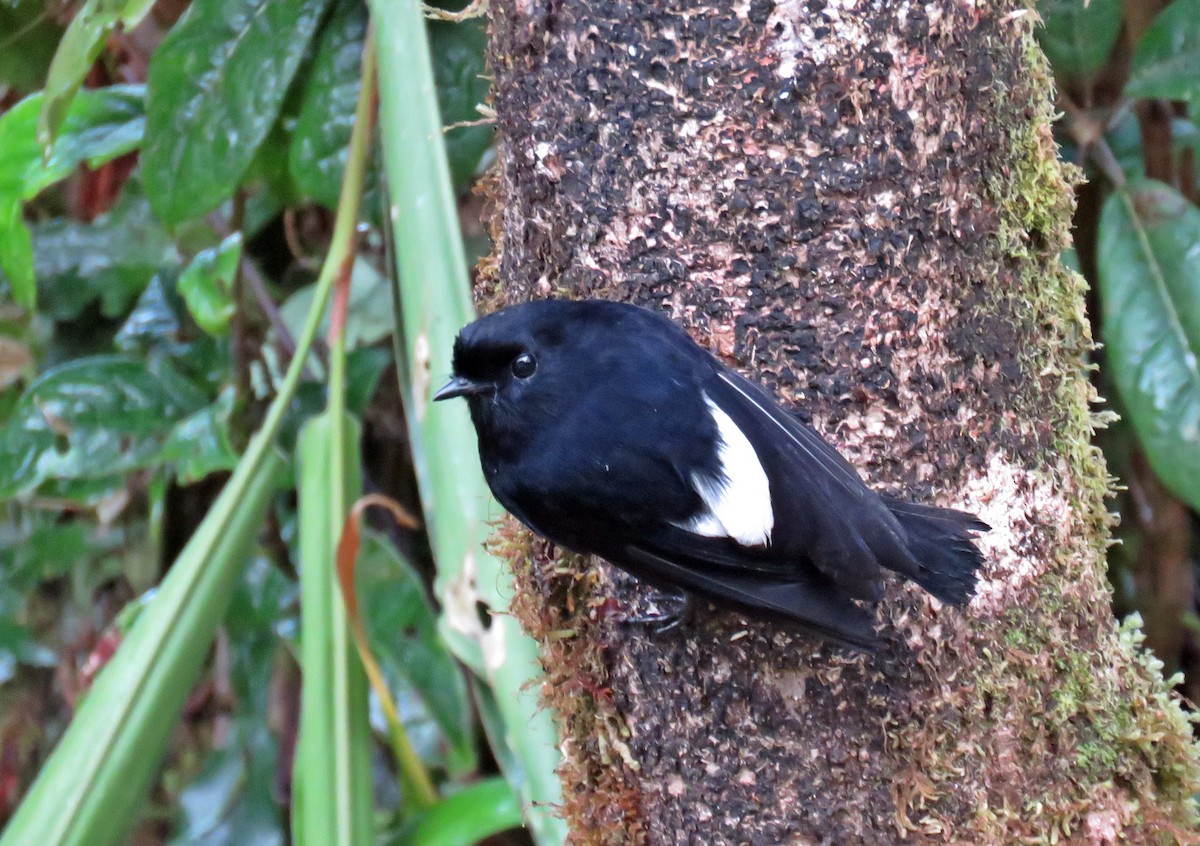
[(462, 387)]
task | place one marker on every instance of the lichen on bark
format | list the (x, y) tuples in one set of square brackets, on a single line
[(858, 204)]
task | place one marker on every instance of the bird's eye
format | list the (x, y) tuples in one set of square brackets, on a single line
[(524, 365)]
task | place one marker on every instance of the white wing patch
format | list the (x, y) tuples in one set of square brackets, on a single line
[(738, 499)]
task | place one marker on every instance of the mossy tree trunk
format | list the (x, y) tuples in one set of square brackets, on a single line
[(859, 204)]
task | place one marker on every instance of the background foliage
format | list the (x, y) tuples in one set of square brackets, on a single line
[(169, 178), (1128, 77)]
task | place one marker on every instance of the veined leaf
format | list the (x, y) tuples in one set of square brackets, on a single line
[(1150, 290), (1166, 64), (217, 83), (91, 418)]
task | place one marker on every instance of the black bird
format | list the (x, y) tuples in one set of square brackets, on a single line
[(603, 427)]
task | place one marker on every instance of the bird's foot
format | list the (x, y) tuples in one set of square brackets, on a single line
[(671, 610)]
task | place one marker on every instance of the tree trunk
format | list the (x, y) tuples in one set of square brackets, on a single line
[(859, 205)]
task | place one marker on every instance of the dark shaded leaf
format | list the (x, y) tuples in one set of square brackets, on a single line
[(363, 369), (402, 629), (322, 135), (77, 52), (1150, 291), (111, 259), (1166, 64), (217, 83), (206, 284), (458, 68), (91, 418), (1078, 35), (29, 36), (230, 802)]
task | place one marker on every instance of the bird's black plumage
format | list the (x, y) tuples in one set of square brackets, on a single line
[(605, 428)]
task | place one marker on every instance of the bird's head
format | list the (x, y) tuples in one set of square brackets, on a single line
[(532, 362)]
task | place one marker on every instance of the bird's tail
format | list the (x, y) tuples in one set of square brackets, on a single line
[(942, 542)]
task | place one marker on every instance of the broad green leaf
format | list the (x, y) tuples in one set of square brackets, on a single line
[(475, 813), (81, 44), (92, 418), (112, 259), (199, 444), (217, 83), (322, 135), (100, 125), (16, 252), (1150, 293), (206, 285), (1078, 35), (402, 628), (1166, 64), (29, 34), (459, 70)]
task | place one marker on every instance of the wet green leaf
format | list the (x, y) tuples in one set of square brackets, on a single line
[(322, 135), (207, 285), (101, 124), (230, 803), (217, 83), (402, 628), (1078, 35), (459, 66), (1166, 63), (200, 444), (1150, 291), (111, 259), (92, 418), (81, 44), (16, 253)]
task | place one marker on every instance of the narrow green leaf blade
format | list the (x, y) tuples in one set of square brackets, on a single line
[(332, 776), (1166, 64), (458, 505), (1150, 290), (92, 786), (217, 83)]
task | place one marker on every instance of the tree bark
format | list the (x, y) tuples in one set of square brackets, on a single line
[(859, 205)]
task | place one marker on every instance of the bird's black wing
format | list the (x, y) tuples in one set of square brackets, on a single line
[(807, 597), (824, 514)]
